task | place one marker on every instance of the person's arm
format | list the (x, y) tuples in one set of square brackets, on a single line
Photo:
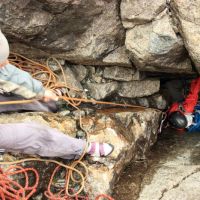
[(190, 101), (192, 98), (20, 82)]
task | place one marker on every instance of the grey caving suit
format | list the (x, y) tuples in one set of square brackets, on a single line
[(31, 137)]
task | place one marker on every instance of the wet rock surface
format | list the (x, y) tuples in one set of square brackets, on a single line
[(139, 88), (171, 170), (132, 133)]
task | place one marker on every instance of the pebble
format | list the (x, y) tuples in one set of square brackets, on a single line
[(64, 113)]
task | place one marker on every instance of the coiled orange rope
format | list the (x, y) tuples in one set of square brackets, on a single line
[(12, 190)]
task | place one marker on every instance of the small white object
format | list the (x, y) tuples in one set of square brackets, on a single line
[(189, 118), (4, 48)]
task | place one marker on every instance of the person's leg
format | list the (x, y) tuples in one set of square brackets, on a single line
[(35, 106), (34, 138)]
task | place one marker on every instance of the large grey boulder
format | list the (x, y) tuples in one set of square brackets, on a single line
[(122, 74), (186, 13), (142, 88), (100, 91), (79, 31), (156, 47), (151, 37), (129, 87), (140, 12), (118, 57)]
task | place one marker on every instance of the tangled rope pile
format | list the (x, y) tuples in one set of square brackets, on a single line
[(12, 190)]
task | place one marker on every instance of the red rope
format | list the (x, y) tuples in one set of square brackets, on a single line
[(61, 195), (103, 196), (12, 190)]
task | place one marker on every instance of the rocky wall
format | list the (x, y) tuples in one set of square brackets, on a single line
[(114, 42), (153, 34), (112, 82)]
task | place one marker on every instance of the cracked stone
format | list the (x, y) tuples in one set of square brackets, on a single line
[(103, 90), (139, 88), (156, 47), (122, 74), (140, 12), (118, 57)]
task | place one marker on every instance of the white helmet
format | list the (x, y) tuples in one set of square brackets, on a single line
[(4, 48)]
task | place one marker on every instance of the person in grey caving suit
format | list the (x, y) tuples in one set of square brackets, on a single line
[(32, 137)]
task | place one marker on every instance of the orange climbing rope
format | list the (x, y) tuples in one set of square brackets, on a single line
[(12, 190)]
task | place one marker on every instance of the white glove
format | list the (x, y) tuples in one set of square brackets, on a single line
[(49, 95)]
